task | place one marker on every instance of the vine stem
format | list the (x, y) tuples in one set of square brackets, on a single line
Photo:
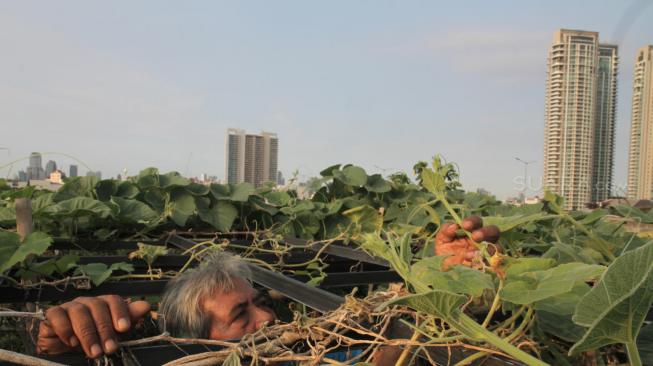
[(494, 307), (633, 354)]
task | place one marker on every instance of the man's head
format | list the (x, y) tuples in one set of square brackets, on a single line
[(215, 300)]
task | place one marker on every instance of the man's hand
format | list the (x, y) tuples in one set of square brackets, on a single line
[(90, 323), (460, 248)]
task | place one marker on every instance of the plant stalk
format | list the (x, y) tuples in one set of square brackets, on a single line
[(633, 354)]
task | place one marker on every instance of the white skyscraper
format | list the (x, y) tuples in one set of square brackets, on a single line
[(251, 158)]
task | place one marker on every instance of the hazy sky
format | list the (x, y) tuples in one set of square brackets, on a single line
[(381, 84)]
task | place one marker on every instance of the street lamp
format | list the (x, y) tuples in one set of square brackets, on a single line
[(525, 174)]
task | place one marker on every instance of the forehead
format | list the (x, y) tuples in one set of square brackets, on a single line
[(220, 303)]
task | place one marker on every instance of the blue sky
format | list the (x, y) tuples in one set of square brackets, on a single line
[(381, 84)]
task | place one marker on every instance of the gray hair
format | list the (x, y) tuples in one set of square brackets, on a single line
[(180, 304)]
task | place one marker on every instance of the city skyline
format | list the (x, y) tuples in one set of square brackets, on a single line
[(383, 87)]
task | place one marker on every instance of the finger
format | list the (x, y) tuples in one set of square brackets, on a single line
[(447, 232), (51, 346), (119, 312), (486, 233), (84, 328), (472, 223), (138, 309), (59, 322), (103, 322), (469, 255)]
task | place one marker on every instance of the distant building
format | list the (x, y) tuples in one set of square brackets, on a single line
[(22, 176), (280, 179), (251, 158), (92, 173), (581, 89), (532, 200), (57, 177), (483, 191), (50, 167), (35, 169), (640, 159), (72, 172)]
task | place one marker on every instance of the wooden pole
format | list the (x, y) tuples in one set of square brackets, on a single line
[(24, 227), (24, 223)]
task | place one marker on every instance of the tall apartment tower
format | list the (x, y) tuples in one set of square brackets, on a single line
[(580, 117), (640, 157), (251, 158), (35, 169)]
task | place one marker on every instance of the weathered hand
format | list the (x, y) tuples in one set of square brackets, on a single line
[(460, 248), (90, 323)]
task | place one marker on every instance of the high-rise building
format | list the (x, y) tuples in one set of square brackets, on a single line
[(72, 171), (94, 173), (50, 167), (35, 169), (251, 158), (640, 158), (579, 117)]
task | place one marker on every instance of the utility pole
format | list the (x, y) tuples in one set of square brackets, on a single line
[(526, 163)]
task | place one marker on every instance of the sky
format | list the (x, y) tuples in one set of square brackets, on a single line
[(379, 84)]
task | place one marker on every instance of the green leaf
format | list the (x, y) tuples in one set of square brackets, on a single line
[(530, 287), (432, 181), (7, 216), (233, 359), (517, 266), (80, 206), (221, 216), (172, 179), (459, 279), (645, 344), (220, 191), (99, 272), (240, 192), (42, 201), (148, 178), (376, 183), (442, 304), (148, 253), (615, 308), (13, 251), (559, 325), (105, 189), (510, 222), (127, 189), (564, 304), (183, 206), (133, 210), (47, 268), (197, 189), (351, 175), (328, 172), (76, 187), (277, 198)]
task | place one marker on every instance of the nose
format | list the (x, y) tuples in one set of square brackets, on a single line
[(263, 315)]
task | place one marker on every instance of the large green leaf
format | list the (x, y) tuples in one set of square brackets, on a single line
[(13, 251), (127, 189), (376, 183), (183, 206), (221, 216), (42, 202), (510, 222), (645, 344), (80, 206), (277, 198), (76, 187), (133, 210), (106, 188), (459, 279), (172, 179), (530, 287), (615, 308), (240, 192), (100, 272), (148, 178), (442, 304), (559, 325), (7, 215), (59, 265), (351, 175)]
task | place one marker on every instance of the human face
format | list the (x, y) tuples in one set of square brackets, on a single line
[(236, 313)]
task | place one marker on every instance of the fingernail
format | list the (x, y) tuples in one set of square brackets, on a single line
[(96, 350), (74, 342), (110, 346), (123, 324)]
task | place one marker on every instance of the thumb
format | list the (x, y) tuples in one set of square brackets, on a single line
[(138, 309)]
